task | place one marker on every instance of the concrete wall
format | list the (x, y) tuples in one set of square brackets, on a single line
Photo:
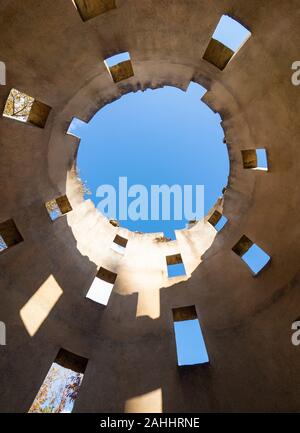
[(52, 55)]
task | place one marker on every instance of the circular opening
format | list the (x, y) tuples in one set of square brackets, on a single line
[(148, 139)]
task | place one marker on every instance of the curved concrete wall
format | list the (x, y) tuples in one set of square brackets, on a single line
[(52, 55)]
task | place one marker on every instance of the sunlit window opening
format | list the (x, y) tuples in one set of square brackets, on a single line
[(231, 33), (58, 207), (119, 67), (255, 159), (119, 244), (61, 385), (102, 286), (254, 256), (18, 105), (228, 38), (118, 58), (22, 107)]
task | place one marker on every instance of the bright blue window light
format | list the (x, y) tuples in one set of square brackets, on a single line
[(75, 126), (231, 33), (170, 234), (3, 245), (221, 223), (118, 58), (176, 270), (190, 344), (262, 160), (256, 258), (55, 213), (196, 90)]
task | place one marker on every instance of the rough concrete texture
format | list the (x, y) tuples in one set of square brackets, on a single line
[(55, 57)]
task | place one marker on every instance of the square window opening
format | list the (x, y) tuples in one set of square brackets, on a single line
[(254, 256), (228, 38), (9, 235), (23, 108), (119, 244), (119, 67), (58, 207)]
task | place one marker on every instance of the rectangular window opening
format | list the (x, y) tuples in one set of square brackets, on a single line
[(22, 107), (119, 244), (9, 235), (221, 223), (61, 385), (89, 9), (102, 286), (175, 266), (119, 67), (254, 256), (217, 220), (58, 207), (262, 159), (255, 159), (190, 345), (228, 38)]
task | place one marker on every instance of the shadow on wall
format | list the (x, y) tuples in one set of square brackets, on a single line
[(50, 279)]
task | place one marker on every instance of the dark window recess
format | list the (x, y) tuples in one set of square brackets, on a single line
[(9, 235), (89, 9)]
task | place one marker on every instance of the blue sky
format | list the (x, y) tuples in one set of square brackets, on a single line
[(231, 33), (256, 258), (176, 270), (190, 343), (163, 136)]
